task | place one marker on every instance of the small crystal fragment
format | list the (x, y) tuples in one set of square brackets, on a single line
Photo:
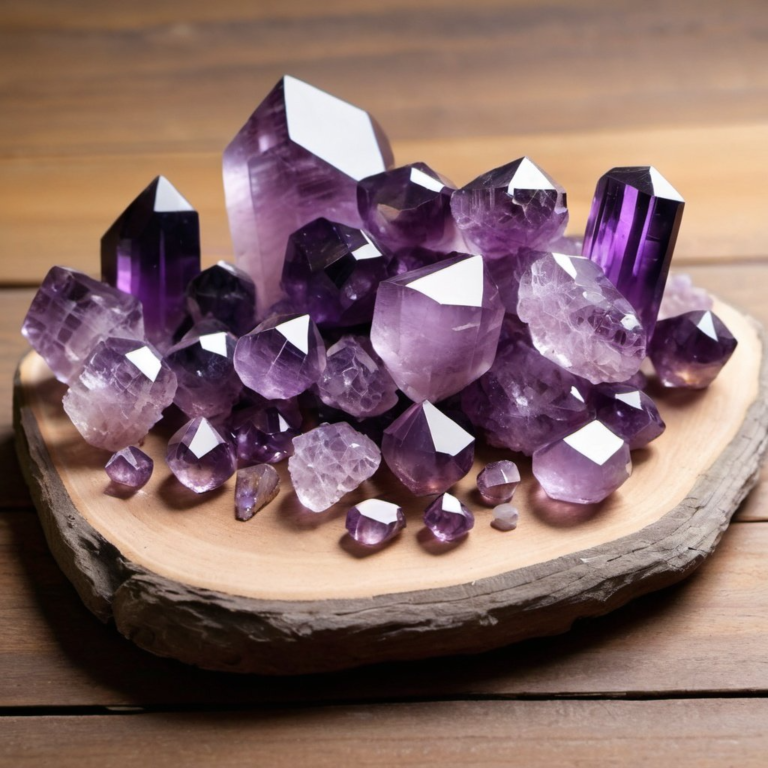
[(200, 456), (448, 518), (629, 412), (224, 293), (130, 467), (374, 521), (328, 462), (255, 487), (681, 296), (505, 517), (498, 481)]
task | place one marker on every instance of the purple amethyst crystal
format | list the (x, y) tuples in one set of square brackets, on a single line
[(282, 357), (374, 521), (200, 456), (507, 273), (265, 432), (511, 207), (332, 271), (498, 481), (629, 412), (689, 350), (120, 393), (681, 296), (437, 328), (130, 467), (299, 156), (224, 293), (631, 234), (426, 450), (448, 518), (408, 259), (152, 251), (71, 313), (583, 467), (255, 487)]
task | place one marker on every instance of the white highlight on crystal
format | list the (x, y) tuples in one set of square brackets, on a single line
[(707, 325), (296, 331), (451, 504), (595, 441), (459, 284), (146, 361), (215, 342), (662, 188), (529, 176), (447, 436), (426, 181), (379, 510), (630, 322), (367, 251), (566, 263), (631, 398), (205, 440), (168, 199)]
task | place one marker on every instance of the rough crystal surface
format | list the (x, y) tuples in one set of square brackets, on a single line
[(71, 313), (681, 296), (498, 481), (437, 328), (328, 462), (130, 467), (224, 293), (255, 487), (505, 517), (579, 320), (201, 457), (448, 518), (629, 412), (265, 432), (374, 521), (299, 156), (120, 393), (507, 273)]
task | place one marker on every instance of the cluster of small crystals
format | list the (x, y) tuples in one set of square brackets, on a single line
[(379, 312)]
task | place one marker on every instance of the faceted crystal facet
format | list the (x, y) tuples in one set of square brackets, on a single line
[(505, 517), (205, 371), (355, 380), (631, 234), (448, 518), (265, 432), (514, 206), (498, 481), (525, 400), (579, 320), (374, 521), (224, 293), (629, 412), (130, 467), (120, 393), (583, 467), (299, 156), (328, 462), (691, 349), (681, 296), (507, 273), (255, 487), (427, 451), (437, 328), (332, 271), (152, 251), (282, 357), (71, 313), (409, 259), (200, 456)]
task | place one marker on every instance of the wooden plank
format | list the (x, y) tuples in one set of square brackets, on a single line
[(704, 734)]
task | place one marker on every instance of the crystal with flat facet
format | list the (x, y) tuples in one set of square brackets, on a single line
[(629, 412), (255, 487), (201, 457), (130, 467), (224, 293), (681, 296), (505, 517), (374, 521), (498, 481), (265, 432), (448, 518)]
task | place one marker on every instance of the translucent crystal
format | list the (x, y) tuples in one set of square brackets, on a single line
[(681, 296), (505, 517), (130, 467), (448, 518), (498, 481), (629, 412), (265, 432), (374, 521), (200, 456), (255, 487), (224, 293)]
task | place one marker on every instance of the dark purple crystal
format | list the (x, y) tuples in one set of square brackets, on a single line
[(629, 412), (224, 293), (265, 432)]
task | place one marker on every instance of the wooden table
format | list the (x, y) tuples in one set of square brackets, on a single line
[(98, 97)]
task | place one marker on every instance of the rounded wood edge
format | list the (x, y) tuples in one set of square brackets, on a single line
[(218, 631)]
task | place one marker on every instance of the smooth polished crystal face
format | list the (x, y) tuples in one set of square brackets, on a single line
[(224, 293), (203, 362), (265, 432), (448, 518), (130, 467), (332, 271), (282, 357), (71, 313), (689, 350), (120, 393), (505, 517), (328, 462), (629, 412), (374, 521), (201, 457), (579, 320), (498, 481), (631, 234), (299, 156), (408, 206), (511, 207), (437, 328), (585, 466), (152, 251), (426, 450), (412, 258), (681, 296), (255, 487)]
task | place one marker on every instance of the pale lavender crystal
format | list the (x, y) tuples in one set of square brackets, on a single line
[(205, 371), (437, 328), (328, 462), (583, 467), (201, 457), (265, 432), (507, 273), (579, 320), (689, 350), (525, 401), (355, 380), (629, 412), (568, 244), (448, 518), (130, 467), (505, 517), (120, 393), (374, 521), (152, 251), (631, 234), (681, 296), (282, 357), (71, 313), (498, 481), (426, 450), (514, 206), (299, 156), (255, 487), (224, 293)]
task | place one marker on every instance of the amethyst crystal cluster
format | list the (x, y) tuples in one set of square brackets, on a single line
[(379, 313)]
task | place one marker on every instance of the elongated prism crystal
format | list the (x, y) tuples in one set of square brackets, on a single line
[(631, 234)]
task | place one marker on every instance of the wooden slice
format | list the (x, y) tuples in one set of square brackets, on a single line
[(288, 593)]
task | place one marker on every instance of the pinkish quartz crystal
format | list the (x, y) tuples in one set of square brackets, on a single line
[(629, 412), (200, 456), (373, 522), (498, 481), (681, 296), (448, 518), (255, 487), (505, 517), (130, 467)]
